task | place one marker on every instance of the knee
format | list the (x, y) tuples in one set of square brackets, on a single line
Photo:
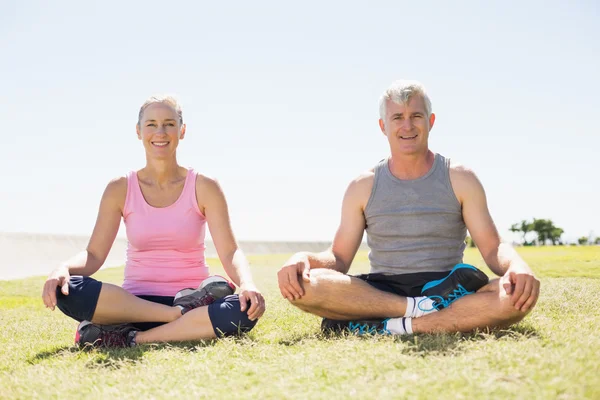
[(227, 318), (508, 314), (505, 310), (312, 290), (80, 303)]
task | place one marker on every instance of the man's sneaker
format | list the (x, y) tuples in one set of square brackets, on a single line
[(362, 327), (89, 334), (462, 280), (211, 289)]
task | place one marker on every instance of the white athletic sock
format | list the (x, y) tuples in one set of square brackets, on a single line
[(399, 326), (416, 305)]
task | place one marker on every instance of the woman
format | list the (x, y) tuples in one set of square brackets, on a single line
[(165, 208)]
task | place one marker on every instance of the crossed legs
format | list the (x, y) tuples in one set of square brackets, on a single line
[(331, 294), (107, 304)]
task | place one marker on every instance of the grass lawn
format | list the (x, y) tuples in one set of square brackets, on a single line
[(553, 353)]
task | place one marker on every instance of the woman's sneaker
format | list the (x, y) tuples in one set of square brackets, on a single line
[(211, 289), (105, 336), (462, 280)]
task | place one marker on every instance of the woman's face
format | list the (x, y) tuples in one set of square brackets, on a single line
[(160, 131)]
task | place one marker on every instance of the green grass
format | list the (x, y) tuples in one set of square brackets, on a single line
[(553, 353)]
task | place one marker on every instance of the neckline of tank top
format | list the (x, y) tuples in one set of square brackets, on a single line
[(388, 172), (185, 184)]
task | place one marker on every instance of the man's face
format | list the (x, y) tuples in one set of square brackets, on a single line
[(407, 126)]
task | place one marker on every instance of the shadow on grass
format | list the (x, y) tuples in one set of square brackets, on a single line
[(446, 343), (116, 358), (425, 344), (59, 352), (195, 346), (109, 358), (519, 331), (299, 338)]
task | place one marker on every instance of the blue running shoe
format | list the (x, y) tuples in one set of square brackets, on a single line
[(363, 327), (462, 280)]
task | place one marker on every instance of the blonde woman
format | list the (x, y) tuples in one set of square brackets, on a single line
[(167, 294)]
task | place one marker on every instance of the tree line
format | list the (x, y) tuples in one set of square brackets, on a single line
[(541, 231), (545, 232)]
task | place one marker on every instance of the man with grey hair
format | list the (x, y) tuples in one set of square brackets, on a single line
[(416, 207)]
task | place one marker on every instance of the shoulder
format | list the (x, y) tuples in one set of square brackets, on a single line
[(208, 191), (207, 183), (363, 181), (117, 186), (116, 190), (463, 173), (464, 180), (359, 189)]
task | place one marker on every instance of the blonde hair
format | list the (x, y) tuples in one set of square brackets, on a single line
[(165, 99), (400, 92)]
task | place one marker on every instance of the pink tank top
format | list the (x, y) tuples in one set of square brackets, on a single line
[(165, 251)]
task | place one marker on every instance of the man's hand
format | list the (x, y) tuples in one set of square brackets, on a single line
[(523, 287), (59, 277), (288, 276), (249, 292)]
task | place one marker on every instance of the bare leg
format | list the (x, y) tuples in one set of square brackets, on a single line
[(194, 325), (331, 294), (116, 305), (488, 308)]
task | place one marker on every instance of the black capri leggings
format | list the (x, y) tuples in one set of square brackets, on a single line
[(225, 315)]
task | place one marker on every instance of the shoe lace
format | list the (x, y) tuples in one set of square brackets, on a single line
[(200, 302), (365, 328), (439, 302), (116, 338)]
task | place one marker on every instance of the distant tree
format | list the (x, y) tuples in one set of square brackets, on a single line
[(555, 235), (597, 240), (547, 231), (543, 228), (583, 240), (524, 227)]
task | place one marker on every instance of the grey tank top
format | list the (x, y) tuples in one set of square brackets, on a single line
[(414, 225)]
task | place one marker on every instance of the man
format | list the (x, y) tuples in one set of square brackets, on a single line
[(416, 208)]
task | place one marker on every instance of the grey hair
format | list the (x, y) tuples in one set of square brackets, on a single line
[(400, 92), (165, 99)]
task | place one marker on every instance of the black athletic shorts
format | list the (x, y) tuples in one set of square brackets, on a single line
[(407, 285)]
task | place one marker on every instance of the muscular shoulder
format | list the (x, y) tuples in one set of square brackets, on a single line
[(464, 181), (359, 189), (461, 171)]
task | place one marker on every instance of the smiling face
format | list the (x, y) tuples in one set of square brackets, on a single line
[(160, 130), (407, 126)]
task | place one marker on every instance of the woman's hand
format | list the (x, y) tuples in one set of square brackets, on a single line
[(249, 293), (59, 277)]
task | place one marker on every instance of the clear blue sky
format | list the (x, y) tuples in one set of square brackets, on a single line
[(281, 103)]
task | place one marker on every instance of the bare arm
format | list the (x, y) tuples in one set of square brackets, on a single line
[(470, 193), (352, 224), (105, 230), (345, 243), (518, 278), (213, 204), (103, 236)]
